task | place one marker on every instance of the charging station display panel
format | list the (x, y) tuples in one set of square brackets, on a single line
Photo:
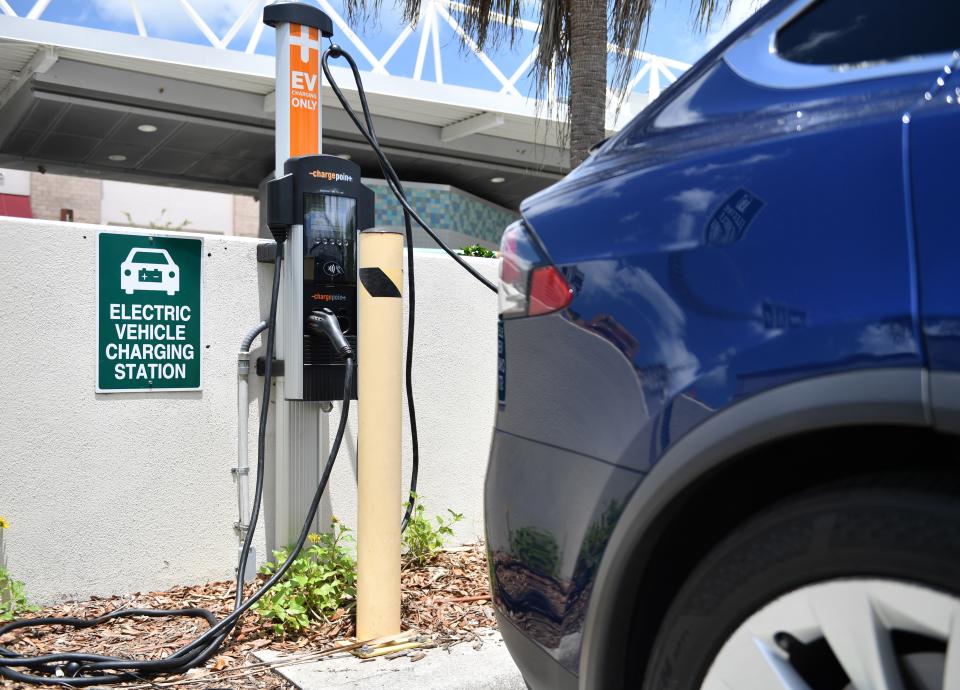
[(325, 204), (329, 238), (329, 282)]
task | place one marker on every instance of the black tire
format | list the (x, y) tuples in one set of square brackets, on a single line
[(899, 528)]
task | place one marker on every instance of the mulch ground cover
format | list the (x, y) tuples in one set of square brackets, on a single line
[(447, 600)]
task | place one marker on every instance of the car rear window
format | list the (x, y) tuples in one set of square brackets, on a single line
[(844, 32)]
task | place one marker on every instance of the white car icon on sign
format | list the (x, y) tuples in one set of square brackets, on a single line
[(149, 269)]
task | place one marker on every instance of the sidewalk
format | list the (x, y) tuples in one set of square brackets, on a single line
[(481, 665)]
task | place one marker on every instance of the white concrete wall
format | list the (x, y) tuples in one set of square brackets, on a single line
[(146, 204), (126, 492)]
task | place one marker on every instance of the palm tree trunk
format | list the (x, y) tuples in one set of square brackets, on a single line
[(588, 76)]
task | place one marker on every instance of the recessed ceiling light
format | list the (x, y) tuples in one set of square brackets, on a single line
[(147, 128), (498, 180), (118, 157), (344, 156)]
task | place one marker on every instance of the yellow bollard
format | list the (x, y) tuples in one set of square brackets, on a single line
[(379, 393)]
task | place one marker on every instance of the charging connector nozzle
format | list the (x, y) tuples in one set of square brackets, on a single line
[(323, 321)]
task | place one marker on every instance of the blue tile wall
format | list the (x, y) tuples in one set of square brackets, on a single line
[(444, 209)]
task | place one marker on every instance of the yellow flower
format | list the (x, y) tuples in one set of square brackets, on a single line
[(314, 538), (3, 523)]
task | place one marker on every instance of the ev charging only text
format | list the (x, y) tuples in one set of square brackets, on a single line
[(303, 92), (148, 335)]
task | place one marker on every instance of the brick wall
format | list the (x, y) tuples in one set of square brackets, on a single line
[(50, 193), (246, 216)]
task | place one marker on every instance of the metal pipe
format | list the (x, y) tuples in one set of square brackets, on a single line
[(242, 470), (251, 336)]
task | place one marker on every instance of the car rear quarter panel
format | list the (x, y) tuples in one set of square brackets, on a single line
[(722, 269)]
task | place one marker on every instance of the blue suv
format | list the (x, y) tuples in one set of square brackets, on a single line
[(726, 452)]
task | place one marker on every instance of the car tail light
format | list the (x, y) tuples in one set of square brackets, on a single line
[(529, 283)]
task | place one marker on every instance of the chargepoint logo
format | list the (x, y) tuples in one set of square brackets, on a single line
[(331, 176)]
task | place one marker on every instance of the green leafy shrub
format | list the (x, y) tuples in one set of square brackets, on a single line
[(477, 250), (13, 593), (320, 581), (160, 223), (422, 540), (13, 597)]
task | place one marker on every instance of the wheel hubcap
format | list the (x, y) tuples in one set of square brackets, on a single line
[(856, 634)]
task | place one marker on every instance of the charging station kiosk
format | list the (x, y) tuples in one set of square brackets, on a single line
[(323, 202)]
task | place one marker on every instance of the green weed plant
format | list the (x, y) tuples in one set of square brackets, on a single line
[(477, 250), (425, 538), (320, 581)]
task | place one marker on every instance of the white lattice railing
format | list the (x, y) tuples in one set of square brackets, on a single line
[(652, 71)]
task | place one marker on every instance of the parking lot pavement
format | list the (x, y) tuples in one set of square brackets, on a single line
[(482, 665)]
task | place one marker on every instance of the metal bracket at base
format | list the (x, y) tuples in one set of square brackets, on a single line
[(262, 364), (266, 252)]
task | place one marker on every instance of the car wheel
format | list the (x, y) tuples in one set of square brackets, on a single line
[(855, 587)]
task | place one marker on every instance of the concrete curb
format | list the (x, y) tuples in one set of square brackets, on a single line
[(483, 665)]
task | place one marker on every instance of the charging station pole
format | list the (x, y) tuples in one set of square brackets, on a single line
[(380, 404), (297, 423)]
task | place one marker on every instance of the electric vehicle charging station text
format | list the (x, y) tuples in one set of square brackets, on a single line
[(148, 313), (320, 198)]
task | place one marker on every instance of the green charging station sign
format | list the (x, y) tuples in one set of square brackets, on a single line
[(148, 312)]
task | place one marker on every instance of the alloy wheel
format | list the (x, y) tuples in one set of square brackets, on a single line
[(850, 634)]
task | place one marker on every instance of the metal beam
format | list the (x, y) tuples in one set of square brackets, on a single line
[(42, 61), (138, 18), (38, 9), (472, 125)]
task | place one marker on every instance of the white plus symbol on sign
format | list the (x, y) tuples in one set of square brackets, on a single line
[(305, 42)]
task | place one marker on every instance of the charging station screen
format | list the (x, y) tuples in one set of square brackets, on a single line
[(329, 238)]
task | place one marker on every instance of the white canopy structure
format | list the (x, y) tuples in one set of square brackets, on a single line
[(130, 106)]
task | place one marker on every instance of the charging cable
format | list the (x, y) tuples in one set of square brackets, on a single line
[(368, 132), (389, 174)]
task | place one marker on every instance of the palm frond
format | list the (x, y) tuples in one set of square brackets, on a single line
[(488, 22), (706, 10), (628, 29), (551, 69), (361, 10)]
